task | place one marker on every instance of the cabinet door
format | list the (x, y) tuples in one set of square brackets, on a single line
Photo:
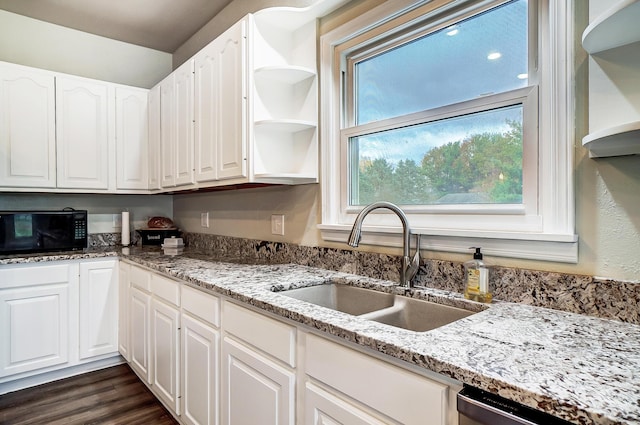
[(167, 135), (27, 128), (82, 133), (324, 408), (165, 325), (220, 107), (183, 100), (255, 390), (139, 336), (231, 102), (206, 118), (132, 138), (123, 310), (37, 309), (200, 374), (405, 397), (98, 308), (154, 139)]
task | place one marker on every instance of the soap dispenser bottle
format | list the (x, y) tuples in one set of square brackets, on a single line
[(476, 275)]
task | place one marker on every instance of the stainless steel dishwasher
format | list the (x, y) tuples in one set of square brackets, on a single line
[(478, 407)]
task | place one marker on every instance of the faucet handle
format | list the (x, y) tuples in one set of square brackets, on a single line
[(414, 264)]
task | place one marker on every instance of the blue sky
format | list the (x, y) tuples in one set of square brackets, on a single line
[(449, 66)]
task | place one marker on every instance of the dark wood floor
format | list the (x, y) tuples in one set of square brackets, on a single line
[(109, 396)]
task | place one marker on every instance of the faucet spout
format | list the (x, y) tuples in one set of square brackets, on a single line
[(409, 266)]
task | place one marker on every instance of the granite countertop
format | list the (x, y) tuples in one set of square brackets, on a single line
[(583, 369)]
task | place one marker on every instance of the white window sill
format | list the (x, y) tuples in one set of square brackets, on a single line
[(545, 247)]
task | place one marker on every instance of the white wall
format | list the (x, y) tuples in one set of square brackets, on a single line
[(607, 190), (35, 43)]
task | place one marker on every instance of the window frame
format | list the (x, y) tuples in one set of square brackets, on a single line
[(542, 227)]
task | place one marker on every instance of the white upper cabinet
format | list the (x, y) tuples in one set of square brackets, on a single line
[(167, 134), (27, 127), (83, 134), (183, 118), (220, 107), (154, 139), (614, 121), (284, 97), (63, 133), (132, 138), (255, 104), (176, 127)]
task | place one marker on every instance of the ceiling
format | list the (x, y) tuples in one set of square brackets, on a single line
[(158, 24)]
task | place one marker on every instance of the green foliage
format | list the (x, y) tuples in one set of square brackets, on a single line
[(486, 167)]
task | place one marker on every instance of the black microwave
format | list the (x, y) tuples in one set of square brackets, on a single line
[(42, 231)]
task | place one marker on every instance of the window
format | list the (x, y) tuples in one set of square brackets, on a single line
[(452, 110)]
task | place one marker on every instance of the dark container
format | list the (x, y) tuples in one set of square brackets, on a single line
[(156, 236)]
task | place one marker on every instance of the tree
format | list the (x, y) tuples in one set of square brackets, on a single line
[(485, 163), (374, 182), (410, 184)]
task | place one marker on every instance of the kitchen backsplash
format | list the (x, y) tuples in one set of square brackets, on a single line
[(581, 294)]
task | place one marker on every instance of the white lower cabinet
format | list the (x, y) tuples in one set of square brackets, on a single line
[(214, 361), (37, 305), (165, 325), (123, 310), (174, 344), (55, 316), (139, 333), (200, 357), (258, 375), (366, 384), (200, 374), (98, 308), (255, 389), (324, 408)]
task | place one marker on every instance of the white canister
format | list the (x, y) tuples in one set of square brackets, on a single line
[(126, 233)]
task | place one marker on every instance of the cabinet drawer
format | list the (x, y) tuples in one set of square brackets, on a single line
[(21, 275), (271, 336), (204, 306), (140, 278), (165, 288), (404, 396)]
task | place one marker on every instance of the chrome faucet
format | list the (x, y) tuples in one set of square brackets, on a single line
[(409, 266)]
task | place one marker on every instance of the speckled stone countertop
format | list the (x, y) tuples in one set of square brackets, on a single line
[(583, 369)]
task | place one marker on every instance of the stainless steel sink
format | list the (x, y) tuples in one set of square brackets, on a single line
[(417, 315), (344, 298), (394, 310)]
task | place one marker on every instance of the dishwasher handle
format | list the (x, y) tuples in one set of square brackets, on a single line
[(478, 407)]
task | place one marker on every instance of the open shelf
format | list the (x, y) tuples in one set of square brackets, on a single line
[(619, 140), (285, 178), (285, 73), (286, 126), (618, 26)]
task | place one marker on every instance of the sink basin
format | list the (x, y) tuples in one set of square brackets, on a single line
[(344, 298), (394, 310), (417, 315)]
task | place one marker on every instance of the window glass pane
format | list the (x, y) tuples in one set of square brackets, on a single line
[(482, 55), (471, 159)]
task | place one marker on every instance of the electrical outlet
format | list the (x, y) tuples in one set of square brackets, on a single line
[(204, 219), (277, 224)]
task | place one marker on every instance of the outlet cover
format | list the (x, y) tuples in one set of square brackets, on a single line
[(277, 224), (204, 219)]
